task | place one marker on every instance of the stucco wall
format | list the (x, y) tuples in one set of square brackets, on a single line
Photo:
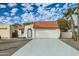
[(5, 31), (66, 34), (25, 30), (42, 33)]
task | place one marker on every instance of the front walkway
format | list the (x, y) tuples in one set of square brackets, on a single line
[(46, 47)]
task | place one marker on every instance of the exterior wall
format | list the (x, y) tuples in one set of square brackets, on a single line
[(5, 31), (42, 33), (66, 34), (46, 33), (26, 28), (19, 33)]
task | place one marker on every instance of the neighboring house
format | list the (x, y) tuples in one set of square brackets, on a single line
[(5, 31), (46, 30), (20, 30), (8, 31)]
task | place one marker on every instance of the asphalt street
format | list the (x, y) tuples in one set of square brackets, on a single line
[(8, 47)]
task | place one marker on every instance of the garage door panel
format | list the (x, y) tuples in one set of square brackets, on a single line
[(47, 33)]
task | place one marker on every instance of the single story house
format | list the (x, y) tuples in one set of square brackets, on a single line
[(46, 29)]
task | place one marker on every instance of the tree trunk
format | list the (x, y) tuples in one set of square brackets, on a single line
[(78, 26), (73, 30), (78, 18)]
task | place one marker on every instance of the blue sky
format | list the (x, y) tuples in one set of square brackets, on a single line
[(11, 13)]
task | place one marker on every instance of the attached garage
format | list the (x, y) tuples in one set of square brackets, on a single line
[(46, 30)]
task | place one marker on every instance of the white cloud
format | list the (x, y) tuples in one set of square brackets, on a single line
[(53, 10), (12, 4), (3, 19), (60, 9), (27, 7), (72, 5), (38, 4), (65, 6), (2, 6), (24, 4), (28, 17), (46, 4), (6, 13), (57, 5), (13, 11), (24, 16), (48, 15), (8, 18), (45, 15), (24, 9), (40, 10), (16, 19)]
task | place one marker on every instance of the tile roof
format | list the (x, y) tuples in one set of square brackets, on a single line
[(51, 24)]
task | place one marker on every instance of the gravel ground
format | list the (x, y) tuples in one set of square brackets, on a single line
[(8, 47), (72, 43)]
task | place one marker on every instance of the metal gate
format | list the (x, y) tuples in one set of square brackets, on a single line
[(29, 33)]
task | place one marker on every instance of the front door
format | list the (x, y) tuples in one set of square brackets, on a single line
[(14, 34)]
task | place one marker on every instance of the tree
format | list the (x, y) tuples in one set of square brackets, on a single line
[(68, 14), (27, 23), (63, 24), (78, 18), (16, 25)]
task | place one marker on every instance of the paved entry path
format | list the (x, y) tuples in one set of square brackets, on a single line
[(46, 47)]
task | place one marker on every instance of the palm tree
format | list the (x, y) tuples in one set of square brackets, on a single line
[(78, 18), (67, 15)]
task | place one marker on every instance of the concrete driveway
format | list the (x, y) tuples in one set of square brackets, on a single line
[(46, 47)]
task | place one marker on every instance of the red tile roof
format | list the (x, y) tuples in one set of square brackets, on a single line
[(20, 27), (52, 24)]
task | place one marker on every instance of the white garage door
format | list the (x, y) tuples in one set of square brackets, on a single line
[(47, 33)]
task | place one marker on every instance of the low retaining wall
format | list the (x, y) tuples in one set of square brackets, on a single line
[(66, 34)]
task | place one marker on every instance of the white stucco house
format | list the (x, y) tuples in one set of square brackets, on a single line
[(42, 30), (46, 29)]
